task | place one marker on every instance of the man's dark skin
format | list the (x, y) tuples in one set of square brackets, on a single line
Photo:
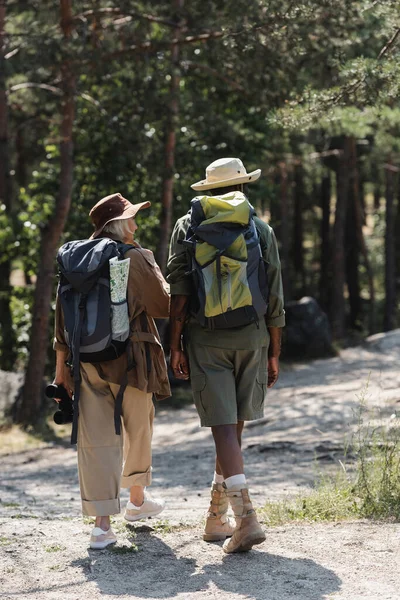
[(227, 438)]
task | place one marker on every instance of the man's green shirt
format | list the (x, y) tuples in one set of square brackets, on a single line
[(251, 336)]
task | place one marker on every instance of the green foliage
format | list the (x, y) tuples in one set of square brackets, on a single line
[(124, 548), (283, 81), (369, 487), (21, 308), (330, 500), (377, 443), (54, 548), (4, 541)]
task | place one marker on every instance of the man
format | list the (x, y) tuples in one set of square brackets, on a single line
[(230, 368)]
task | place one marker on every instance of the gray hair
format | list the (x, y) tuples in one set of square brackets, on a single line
[(119, 228)]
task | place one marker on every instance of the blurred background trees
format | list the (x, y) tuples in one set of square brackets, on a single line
[(139, 97)]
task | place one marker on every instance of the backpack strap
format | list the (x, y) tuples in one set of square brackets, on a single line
[(143, 322), (122, 249), (76, 340), (263, 246)]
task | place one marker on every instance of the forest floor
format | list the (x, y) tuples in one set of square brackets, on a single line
[(44, 543)]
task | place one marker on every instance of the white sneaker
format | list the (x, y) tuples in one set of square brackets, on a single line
[(150, 508), (101, 539)]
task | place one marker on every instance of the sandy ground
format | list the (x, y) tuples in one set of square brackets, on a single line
[(43, 543)]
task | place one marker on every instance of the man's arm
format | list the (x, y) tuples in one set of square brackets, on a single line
[(181, 288), (275, 317), (274, 351), (178, 315)]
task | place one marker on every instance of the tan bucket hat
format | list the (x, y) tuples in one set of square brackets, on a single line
[(112, 208), (224, 172)]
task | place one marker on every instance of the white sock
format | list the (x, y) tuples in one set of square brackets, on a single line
[(218, 478), (235, 480)]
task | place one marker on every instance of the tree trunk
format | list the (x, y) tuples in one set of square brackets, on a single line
[(397, 237), (284, 230), (8, 342), (325, 280), (363, 200), (170, 143), (338, 306), (352, 246), (359, 221), (390, 266), (29, 410), (377, 185), (298, 231)]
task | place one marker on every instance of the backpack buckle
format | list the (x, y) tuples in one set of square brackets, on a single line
[(82, 301)]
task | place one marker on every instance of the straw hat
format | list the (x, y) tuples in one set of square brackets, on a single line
[(112, 208), (224, 172)]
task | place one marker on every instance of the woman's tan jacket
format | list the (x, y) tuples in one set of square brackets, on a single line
[(148, 298)]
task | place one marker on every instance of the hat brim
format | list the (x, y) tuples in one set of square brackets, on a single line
[(129, 213), (206, 185)]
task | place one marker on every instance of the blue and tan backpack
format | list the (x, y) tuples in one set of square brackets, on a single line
[(84, 293)]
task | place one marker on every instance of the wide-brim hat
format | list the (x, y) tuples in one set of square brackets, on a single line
[(113, 208), (225, 172)]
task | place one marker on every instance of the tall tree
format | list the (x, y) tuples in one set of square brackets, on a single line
[(390, 265), (338, 305), (325, 245), (284, 228), (29, 409), (352, 246), (7, 354), (170, 141), (359, 217), (298, 230)]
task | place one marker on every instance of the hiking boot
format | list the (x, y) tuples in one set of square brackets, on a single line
[(218, 525), (248, 531), (100, 539), (150, 508)]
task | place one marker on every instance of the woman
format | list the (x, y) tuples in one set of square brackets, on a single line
[(101, 453)]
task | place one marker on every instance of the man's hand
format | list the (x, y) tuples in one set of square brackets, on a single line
[(273, 371), (179, 364)]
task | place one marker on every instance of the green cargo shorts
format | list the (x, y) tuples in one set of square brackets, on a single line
[(228, 385)]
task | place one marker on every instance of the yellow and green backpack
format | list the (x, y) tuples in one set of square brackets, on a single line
[(227, 266)]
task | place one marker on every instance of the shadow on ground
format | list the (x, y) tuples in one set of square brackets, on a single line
[(158, 571)]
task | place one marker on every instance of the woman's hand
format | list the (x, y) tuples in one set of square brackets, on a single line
[(62, 379), (62, 376)]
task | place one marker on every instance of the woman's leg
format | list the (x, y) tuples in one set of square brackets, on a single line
[(137, 416), (99, 448)]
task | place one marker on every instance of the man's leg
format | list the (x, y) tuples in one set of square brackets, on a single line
[(218, 525), (250, 368), (228, 443)]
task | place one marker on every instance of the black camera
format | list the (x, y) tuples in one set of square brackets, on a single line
[(65, 412)]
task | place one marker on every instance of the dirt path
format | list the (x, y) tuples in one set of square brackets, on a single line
[(43, 544)]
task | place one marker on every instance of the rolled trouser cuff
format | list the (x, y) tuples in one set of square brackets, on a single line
[(101, 508), (142, 479)]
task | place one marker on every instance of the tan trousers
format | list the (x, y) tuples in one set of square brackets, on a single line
[(102, 454)]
